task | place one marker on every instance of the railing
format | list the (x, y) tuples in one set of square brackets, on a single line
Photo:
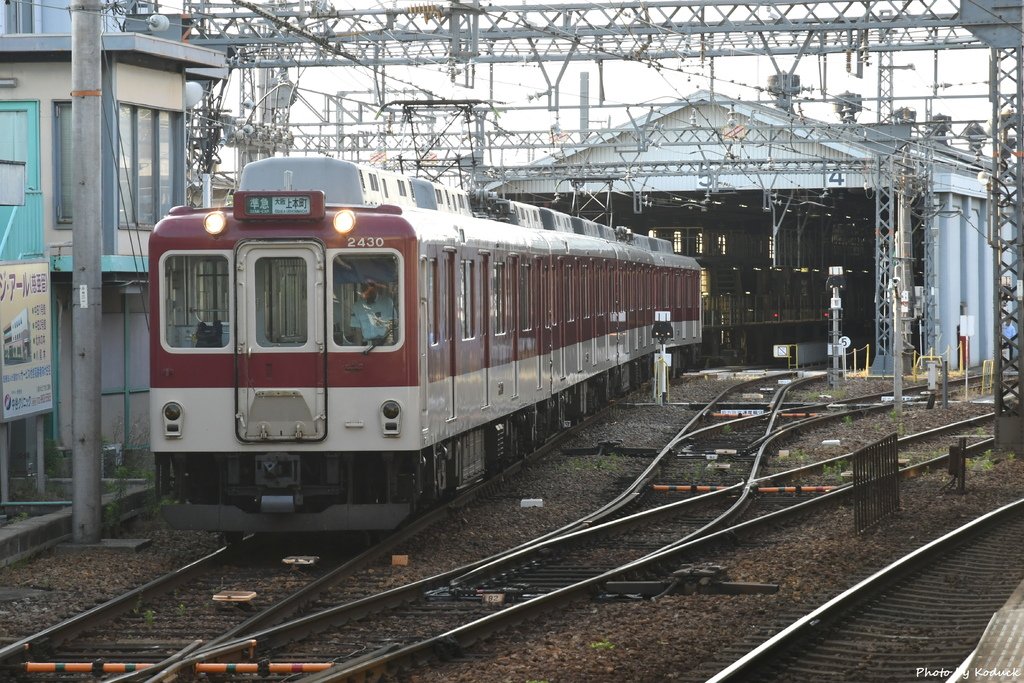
[(876, 482)]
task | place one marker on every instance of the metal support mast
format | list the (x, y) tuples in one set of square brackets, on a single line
[(1006, 197), (885, 197)]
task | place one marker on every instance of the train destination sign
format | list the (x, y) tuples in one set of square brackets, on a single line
[(249, 205), (276, 205)]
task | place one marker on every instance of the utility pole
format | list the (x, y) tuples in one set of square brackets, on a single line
[(86, 112)]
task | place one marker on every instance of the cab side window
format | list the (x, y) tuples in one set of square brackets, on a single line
[(366, 300), (197, 311)]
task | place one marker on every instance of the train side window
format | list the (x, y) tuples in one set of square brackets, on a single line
[(569, 293), (467, 298), (366, 295), (498, 302), (432, 307), (525, 298), (196, 301), (587, 270)]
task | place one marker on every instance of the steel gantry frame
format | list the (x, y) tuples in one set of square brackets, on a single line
[(463, 37), (1006, 195)]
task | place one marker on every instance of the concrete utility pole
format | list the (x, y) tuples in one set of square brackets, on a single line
[(86, 112)]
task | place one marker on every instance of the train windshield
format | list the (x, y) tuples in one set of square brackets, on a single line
[(196, 301), (366, 300), (281, 305)]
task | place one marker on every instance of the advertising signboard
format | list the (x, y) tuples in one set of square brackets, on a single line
[(26, 386)]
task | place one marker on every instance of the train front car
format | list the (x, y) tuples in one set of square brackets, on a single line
[(283, 366)]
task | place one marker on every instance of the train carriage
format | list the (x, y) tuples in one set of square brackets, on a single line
[(339, 349)]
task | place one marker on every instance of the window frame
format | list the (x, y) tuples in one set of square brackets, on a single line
[(228, 324), (164, 152)]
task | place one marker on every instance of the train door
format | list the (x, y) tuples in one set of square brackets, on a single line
[(592, 306), (427, 327), (618, 310), (451, 311), (280, 364), (545, 308), (563, 315), (487, 310), (516, 289)]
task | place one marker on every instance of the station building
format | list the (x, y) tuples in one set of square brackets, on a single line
[(768, 201)]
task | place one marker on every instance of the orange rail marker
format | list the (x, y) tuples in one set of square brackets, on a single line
[(687, 488), (83, 667), (701, 488), (271, 667)]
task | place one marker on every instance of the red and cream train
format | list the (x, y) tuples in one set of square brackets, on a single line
[(344, 345)]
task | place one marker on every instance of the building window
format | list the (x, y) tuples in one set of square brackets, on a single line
[(146, 156), (19, 16), (65, 183), (13, 135)]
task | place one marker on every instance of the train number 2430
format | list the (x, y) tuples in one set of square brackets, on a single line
[(366, 241)]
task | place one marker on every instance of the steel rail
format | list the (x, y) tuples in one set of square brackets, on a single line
[(251, 629), (744, 668), (468, 634), (60, 633), (224, 644)]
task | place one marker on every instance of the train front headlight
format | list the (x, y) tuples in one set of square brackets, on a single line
[(173, 414), (215, 222), (391, 418), (344, 221)]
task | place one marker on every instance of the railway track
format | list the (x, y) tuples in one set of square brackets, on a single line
[(422, 600), (917, 619)]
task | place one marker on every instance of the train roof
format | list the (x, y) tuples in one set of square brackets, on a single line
[(347, 183)]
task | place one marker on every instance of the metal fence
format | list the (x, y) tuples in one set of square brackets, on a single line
[(876, 482)]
